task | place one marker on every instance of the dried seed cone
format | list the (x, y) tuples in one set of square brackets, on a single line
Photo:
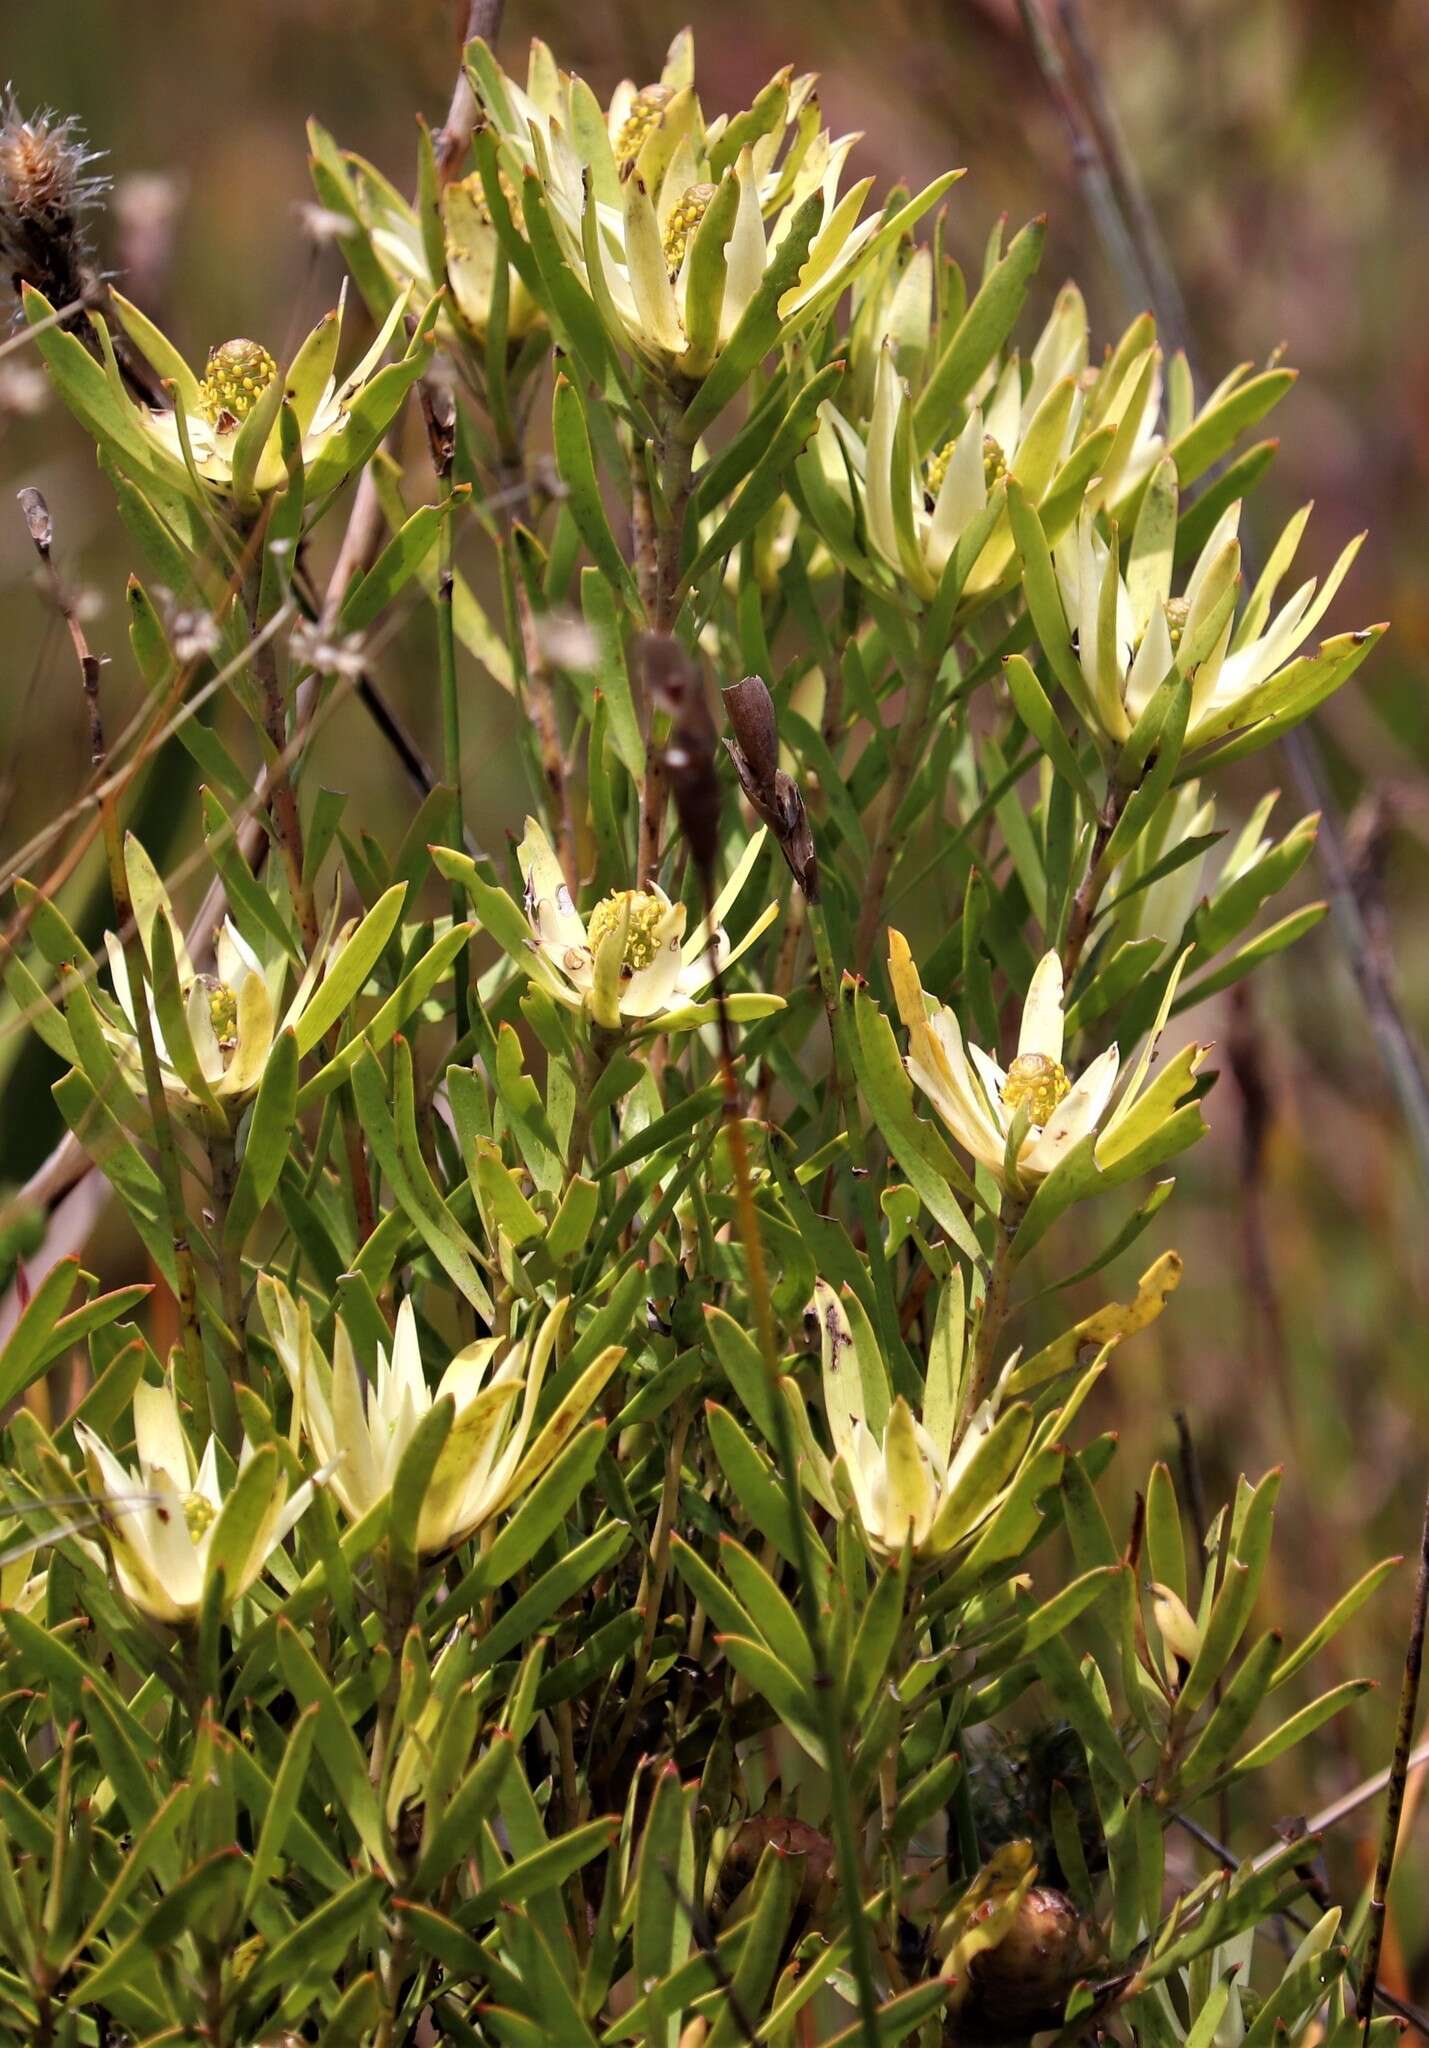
[(1022, 1984), (787, 1837)]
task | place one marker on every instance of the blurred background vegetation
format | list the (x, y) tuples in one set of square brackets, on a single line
[(1284, 145)]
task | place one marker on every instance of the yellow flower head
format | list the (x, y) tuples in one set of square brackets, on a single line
[(237, 375)]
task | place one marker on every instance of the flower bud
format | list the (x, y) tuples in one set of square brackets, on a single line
[(774, 794), (756, 732)]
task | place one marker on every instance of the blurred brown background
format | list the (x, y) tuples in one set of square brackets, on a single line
[(1285, 148)]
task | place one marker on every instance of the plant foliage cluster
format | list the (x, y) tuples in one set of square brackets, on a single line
[(610, 1555)]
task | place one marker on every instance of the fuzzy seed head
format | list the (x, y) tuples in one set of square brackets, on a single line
[(1038, 1081), (641, 942), (45, 190), (687, 216), (646, 111), (237, 375)]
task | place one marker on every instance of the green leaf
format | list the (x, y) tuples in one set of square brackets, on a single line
[(400, 1158), (765, 1930), (760, 1493), (448, 1839), (915, 1144), (338, 1747), (577, 468), (551, 1591), (348, 968), (1042, 722), (978, 336), (898, 2016), (541, 1511), (766, 481), (1076, 1701), (1221, 425), (281, 1807), (373, 590), (758, 1666), (412, 1480), (1237, 1708), (664, 1892), (543, 1870), (1298, 1726), (1044, 600), (759, 328), (772, 1613), (314, 1948), (269, 1141), (1346, 1606)]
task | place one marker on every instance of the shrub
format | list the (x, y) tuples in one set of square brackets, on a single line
[(612, 1551)]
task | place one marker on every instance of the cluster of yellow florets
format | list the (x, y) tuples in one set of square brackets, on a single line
[(199, 1514), (474, 186), (682, 223), (1039, 1082), (1177, 613), (644, 913), (237, 375), (222, 1009), (994, 464), (646, 109)]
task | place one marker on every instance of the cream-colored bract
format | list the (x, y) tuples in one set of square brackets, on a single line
[(979, 1101), (924, 1483), (1131, 633), (489, 1458), (231, 1017), (1028, 425), (668, 222), (633, 963), (213, 455), (165, 1523), (471, 244)]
